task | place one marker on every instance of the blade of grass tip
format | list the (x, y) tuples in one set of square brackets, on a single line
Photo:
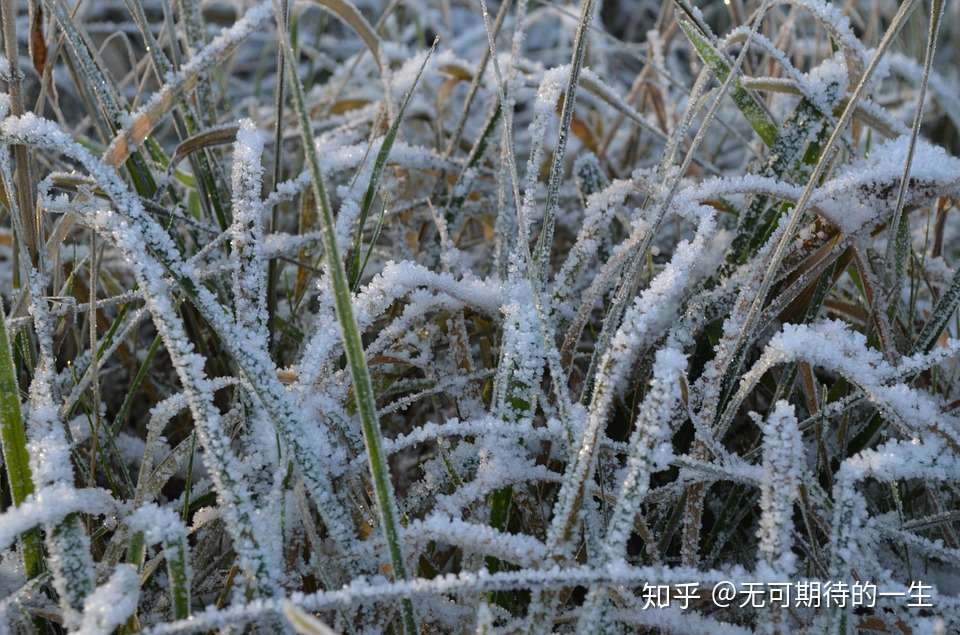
[(692, 15), (541, 256), (220, 135), (352, 344), (786, 238), (893, 273), (379, 163), (304, 623)]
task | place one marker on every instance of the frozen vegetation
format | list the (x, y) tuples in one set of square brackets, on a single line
[(479, 316)]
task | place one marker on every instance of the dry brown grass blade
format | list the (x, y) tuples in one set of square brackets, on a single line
[(817, 261), (349, 13), (206, 139), (61, 229), (38, 45), (127, 140), (340, 107), (307, 221), (808, 385)]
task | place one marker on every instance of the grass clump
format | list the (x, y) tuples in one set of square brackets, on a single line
[(379, 317)]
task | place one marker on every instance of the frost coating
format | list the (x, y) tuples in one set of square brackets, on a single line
[(782, 470), (650, 355), (112, 603)]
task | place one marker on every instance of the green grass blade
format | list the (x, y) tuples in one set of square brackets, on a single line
[(15, 455), (751, 108), (379, 163), (942, 313), (360, 374)]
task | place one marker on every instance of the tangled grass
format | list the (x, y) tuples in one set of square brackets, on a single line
[(452, 315)]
